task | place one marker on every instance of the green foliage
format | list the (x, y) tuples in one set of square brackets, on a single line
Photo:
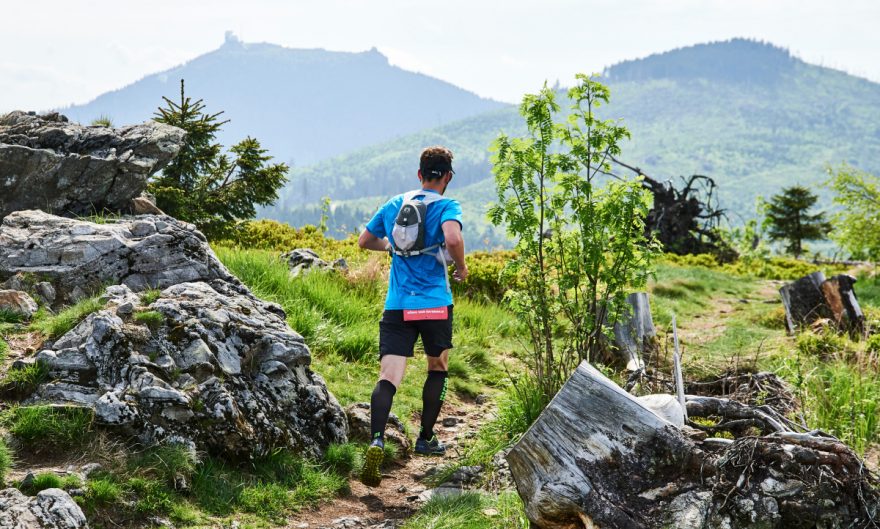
[(206, 187), (7, 316), (165, 462), (267, 234), (151, 295), (55, 326), (788, 219), (50, 427), (766, 268), (6, 458), (343, 458), (857, 221), (580, 247), (24, 381), (471, 510), (872, 344), (838, 397), (4, 348), (485, 281), (50, 480), (821, 344), (325, 214), (101, 492), (102, 121), (150, 318)]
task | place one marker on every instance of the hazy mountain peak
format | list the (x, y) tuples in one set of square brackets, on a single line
[(737, 60)]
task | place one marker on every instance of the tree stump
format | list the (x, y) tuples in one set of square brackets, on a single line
[(634, 334), (598, 458), (813, 297)]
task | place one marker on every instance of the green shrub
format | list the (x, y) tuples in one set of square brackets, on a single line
[(268, 234), (102, 121), (150, 318), (57, 325), (7, 316), (151, 495), (50, 480), (485, 279), (872, 345), (58, 427), (101, 492), (822, 344)]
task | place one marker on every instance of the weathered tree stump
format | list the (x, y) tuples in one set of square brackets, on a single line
[(598, 458), (813, 298), (634, 334)]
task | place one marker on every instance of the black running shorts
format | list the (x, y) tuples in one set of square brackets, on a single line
[(398, 337)]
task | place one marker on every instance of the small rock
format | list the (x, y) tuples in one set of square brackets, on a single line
[(490, 512), (88, 469), (449, 421), (481, 399), (45, 291), (401, 489), (28, 480), (440, 492), (302, 525), (18, 302), (348, 522)]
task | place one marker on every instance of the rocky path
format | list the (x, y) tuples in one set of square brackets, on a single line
[(403, 489)]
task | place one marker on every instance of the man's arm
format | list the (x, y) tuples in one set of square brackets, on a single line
[(455, 246), (368, 241)]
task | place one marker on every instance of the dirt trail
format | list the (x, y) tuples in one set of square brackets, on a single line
[(398, 496)]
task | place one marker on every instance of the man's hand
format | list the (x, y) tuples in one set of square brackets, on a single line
[(460, 274)]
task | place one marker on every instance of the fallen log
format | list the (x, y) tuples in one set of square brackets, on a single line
[(597, 457)]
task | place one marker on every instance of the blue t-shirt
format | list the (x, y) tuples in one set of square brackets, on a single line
[(417, 282)]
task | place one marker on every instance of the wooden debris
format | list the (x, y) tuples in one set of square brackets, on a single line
[(634, 334)]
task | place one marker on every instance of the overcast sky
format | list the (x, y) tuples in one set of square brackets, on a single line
[(57, 52)]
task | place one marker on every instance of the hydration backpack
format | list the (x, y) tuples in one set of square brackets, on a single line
[(408, 233)]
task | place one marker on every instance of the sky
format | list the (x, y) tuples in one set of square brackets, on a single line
[(59, 52)]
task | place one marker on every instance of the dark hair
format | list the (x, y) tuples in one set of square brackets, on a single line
[(435, 162)]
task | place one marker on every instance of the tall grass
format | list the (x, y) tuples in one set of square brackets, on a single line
[(50, 427), (54, 326), (471, 510)]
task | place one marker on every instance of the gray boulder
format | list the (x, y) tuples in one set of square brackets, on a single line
[(49, 509), (77, 257), (49, 163), (215, 368), (302, 260)]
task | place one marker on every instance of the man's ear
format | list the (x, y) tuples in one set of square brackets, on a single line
[(421, 178)]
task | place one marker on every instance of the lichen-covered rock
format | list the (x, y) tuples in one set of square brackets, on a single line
[(49, 509), (17, 302), (222, 372), (49, 163), (302, 260), (77, 257)]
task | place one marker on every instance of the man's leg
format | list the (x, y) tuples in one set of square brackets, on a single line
[(434, 393), (391, 373)]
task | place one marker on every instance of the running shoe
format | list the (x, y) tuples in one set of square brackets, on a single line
[(371, 474), (430, 448)]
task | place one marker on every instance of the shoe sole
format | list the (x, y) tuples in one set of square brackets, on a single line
[(430, 453), (370, 475)]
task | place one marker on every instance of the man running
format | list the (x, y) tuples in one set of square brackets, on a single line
[(422, 231)]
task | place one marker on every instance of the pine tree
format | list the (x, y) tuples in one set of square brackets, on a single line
[(788, 219), (203, 185)]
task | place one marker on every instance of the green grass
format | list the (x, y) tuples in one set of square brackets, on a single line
[(4, 348), (23, 382), (7, 316), (471, 510), (151, 295), (6, 459), (50, 427), (150, 318), (50, 480), (54, 326), (688, 292)]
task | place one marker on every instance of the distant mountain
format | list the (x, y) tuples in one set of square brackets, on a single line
[(747, 113), (303, 105)]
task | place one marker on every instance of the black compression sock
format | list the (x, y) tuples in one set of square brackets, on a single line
[(433, 395), (380, 407)]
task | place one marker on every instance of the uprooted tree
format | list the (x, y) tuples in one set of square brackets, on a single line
[(684, 219)]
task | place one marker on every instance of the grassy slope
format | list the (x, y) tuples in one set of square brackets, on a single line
[(725, 321)]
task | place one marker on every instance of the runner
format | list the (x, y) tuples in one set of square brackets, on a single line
[(422, 231)]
